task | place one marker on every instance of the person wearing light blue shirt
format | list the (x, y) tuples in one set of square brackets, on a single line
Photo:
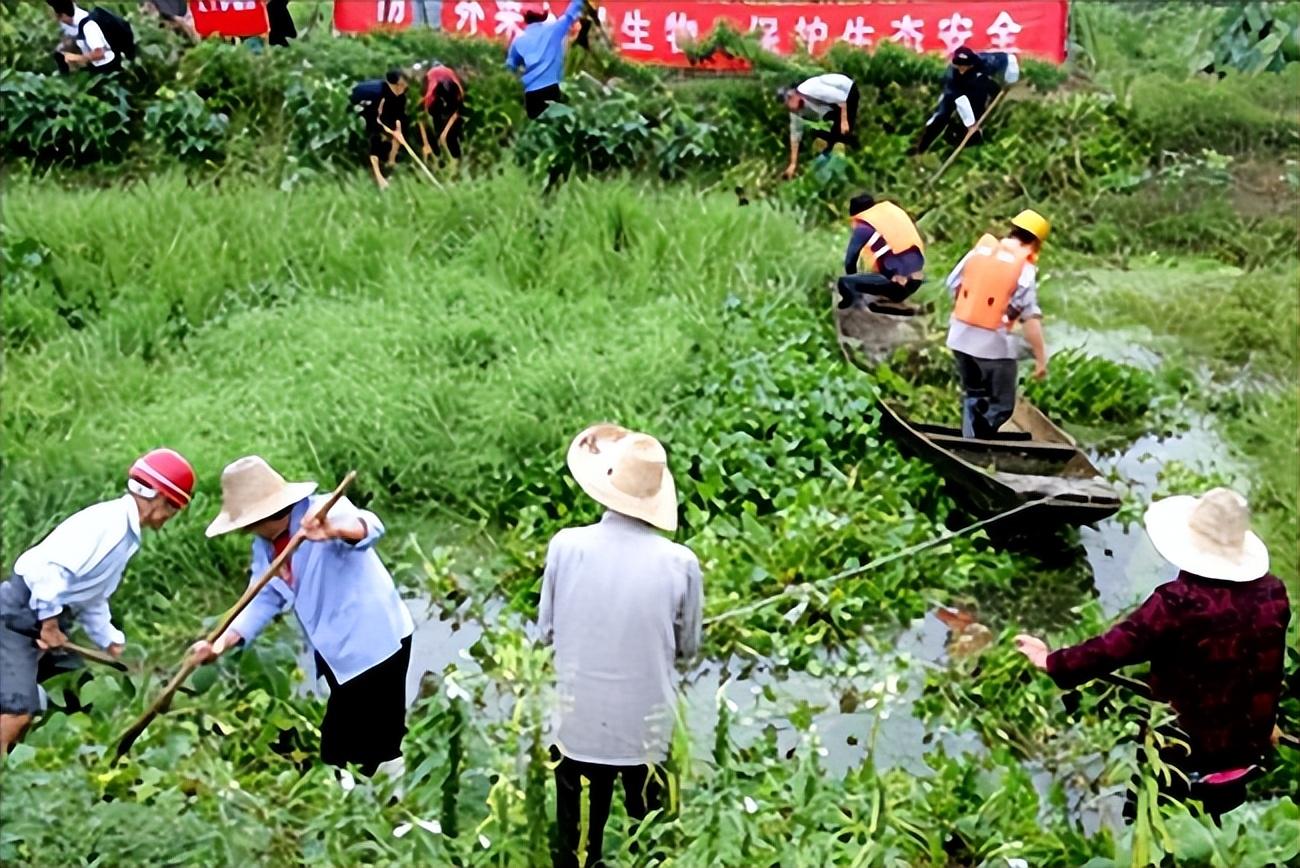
[(537, 56), (344, 599)]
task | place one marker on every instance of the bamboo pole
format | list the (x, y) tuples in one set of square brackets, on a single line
[(164, 699), (969, 134)]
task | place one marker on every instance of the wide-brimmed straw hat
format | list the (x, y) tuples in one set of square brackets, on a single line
[(625, 471), (1208, 536), (251, 490)]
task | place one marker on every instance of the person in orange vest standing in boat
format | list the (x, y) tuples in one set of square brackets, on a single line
[(994, 287), (885, 257)]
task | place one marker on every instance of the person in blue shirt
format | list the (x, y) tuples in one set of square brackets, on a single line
[(345, 601), (537, 56)]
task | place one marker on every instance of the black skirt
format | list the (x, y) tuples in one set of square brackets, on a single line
[(365, 718)]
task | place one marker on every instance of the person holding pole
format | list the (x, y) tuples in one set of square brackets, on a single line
[(444, 106), (537, 55), (969, 87), (382, 105), (1215, 638), (345, 601), (72, 573)]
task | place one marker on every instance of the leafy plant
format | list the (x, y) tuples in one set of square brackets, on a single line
[(181, 125)]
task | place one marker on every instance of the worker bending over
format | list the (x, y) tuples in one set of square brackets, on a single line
[(832, 101), (444, 106), (1215, 638), (994, 287), (885, 258), (969, 86), (70, 575)]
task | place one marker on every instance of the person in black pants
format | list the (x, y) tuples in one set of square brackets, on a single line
[(643, 788), (969, 85), (444, 105), (382, 104)]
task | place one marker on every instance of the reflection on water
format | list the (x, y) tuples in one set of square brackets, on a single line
[(1126, 568), (846, 711)]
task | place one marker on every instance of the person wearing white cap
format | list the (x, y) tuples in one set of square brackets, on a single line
[(621, 604), (344, 599), (1215, 638), (72, 573)]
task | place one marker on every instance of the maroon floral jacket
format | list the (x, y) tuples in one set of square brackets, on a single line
[(1216, 651)]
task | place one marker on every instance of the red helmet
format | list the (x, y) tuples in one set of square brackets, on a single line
[(165, 472)]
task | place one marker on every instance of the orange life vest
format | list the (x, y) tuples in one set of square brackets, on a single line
[(894, 226), (989, 280)]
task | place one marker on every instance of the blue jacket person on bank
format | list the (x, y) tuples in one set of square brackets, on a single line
[(537, 55), (70, 575), (622, 605), (344, 598), (994, 287)]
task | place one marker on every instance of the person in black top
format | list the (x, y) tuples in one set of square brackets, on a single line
[(969, 85), (382, 104)]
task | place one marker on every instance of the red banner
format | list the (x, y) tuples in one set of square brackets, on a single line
[(362, 16), (653, 31), (229, 17)]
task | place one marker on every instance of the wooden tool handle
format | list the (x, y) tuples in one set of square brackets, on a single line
[(164, 699)]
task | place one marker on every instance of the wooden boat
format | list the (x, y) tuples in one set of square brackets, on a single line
[(1030, 459)]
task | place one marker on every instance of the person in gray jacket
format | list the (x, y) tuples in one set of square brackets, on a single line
[(621, 604)]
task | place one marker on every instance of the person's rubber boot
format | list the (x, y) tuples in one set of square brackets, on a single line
[(395, 771)]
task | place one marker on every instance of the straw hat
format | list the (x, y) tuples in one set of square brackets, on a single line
[(251, 491), (1208, 536), (627, 472)]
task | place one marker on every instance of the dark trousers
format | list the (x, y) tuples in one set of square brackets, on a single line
[(536, 101), (438, 118), (990, 394), (642, 793), (365, 717), (853, 286), (833, 135), (1217, 799), (89, 67)]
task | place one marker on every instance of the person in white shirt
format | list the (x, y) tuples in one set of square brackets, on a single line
[(621, 604), (345, 601), (72, 573), (83, 43), (831, 99)]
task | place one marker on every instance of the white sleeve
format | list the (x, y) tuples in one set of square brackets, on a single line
[(1013, 69), (268, 603), (965, 111), (94, 37), (98, 621), (546, 608)]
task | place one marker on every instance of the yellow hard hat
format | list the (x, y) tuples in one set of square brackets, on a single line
[(1033, 223)]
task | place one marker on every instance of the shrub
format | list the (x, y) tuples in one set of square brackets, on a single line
[(181, 125)]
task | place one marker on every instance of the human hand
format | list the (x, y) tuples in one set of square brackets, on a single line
[(427, 151), (382, 182), (51, 636), (789, 171), (115, 650), (1034, 649), (1040, 370), (204, 651)]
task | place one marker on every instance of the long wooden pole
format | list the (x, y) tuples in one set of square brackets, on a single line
[(88, 653), (164, 699), (969, 134), (414, 156)]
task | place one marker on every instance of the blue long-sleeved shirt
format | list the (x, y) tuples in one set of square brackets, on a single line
[(342, 593), (540, 49)]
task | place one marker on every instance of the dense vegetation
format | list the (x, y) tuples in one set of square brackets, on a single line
[(448, 343)]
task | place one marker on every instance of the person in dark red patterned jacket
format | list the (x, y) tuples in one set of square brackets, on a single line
[(1215, 638)]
